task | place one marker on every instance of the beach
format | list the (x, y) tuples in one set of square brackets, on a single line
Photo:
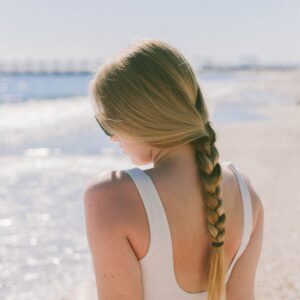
[(58, 57), (50, 149)]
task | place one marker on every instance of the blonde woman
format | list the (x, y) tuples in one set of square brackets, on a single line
[(189, 228)]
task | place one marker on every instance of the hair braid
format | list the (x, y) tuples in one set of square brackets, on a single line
[(210, 170)]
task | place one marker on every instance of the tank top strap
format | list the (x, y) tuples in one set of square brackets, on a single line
[(247, 215), (160, 249)]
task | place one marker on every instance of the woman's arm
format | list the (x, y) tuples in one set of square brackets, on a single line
[(242, 278), (116, 267)]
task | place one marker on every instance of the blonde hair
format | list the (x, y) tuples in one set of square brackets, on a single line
[(150, 93)]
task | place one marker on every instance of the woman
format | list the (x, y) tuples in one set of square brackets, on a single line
[(159, 234)]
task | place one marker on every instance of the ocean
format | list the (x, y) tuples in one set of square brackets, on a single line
[(51, 146)]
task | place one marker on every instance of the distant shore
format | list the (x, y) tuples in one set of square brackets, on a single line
[(84, 67)]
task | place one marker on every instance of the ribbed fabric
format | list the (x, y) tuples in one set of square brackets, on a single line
[(159, 281)]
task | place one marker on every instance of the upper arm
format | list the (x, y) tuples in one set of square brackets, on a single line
[(241, 282), (117, 270)]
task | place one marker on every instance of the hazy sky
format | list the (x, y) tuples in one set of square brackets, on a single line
[(225, 31)]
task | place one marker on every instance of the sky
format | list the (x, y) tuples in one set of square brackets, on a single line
[(263, 31)]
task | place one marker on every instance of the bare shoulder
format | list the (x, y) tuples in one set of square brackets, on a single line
[(110, 182), (241, 283), (115, 265), (100, 180), (257, 205), (256, 202), (105, 195)]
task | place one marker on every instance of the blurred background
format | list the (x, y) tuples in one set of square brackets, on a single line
[(247, 59)]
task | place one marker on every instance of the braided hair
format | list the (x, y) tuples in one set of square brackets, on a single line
[(207, 157)]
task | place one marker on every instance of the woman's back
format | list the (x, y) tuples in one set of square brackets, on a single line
[(180, 195)]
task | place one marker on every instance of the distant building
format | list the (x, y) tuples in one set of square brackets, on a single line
[(43, 66)]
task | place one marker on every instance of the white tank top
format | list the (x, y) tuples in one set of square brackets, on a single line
[(159, 281)]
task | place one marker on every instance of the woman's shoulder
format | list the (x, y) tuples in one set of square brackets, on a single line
[(111, 180), (256, 202), (232, 182), (109, 191)]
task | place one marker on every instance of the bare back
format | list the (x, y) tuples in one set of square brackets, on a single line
[(184, 206)]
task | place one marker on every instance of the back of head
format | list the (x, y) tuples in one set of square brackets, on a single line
[(150, 93)]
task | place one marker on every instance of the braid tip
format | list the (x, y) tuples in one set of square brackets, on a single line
[(217, 244)]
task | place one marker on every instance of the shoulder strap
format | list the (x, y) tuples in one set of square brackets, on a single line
[(160, 250), (247, 213)]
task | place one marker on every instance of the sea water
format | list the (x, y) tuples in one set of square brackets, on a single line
[(50, 147)]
